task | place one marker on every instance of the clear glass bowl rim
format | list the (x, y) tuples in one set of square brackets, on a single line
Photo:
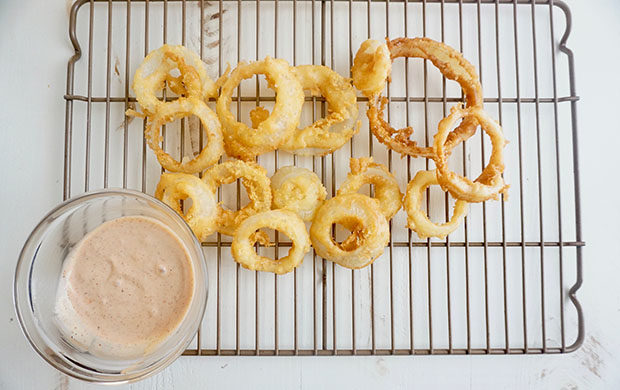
[(25, 261)]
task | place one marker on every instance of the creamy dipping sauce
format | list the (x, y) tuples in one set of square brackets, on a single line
[(124, 288)]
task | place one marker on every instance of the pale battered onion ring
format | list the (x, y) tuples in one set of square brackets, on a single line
[(453, 66), (354, 211), (298, 190), (202, 214), (365, 171), (332, 132), (177, 109), (254, 179), (371, 67), (285, 222), (155, 70), (490, 182), (417, 220), (244, 142)]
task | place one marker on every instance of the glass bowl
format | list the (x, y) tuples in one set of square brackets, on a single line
[(38, 273)]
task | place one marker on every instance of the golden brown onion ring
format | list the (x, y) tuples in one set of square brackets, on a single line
[(156, 68), (244, 142), (202, 215), (417, 220), (177, 109), (490, 182), (453, 66), (285, 222), (370, 228), (332, 132), (365, 171), (298, 190), (254, 179), (371, 67)]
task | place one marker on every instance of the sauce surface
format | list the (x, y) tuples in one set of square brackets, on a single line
[(124, 288)]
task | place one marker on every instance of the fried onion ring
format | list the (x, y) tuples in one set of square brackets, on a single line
[(202, 214), (177, 109), (370, 228), (298, 190), (285, 222), (254, 179), (244, 142), (371, 67), (417, 220), (453, 66), (156, 69), (490, 182), (365, 171), (332, 132)]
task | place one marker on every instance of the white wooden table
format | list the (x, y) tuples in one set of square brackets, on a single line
[(34, 48)]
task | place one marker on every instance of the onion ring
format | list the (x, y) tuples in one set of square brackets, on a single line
[(332, 132), (298, 190), (417, 220), (254, 179), (490, 182), (244, 142), (370, 228), (155, 69), (202, 215), (177, 109), (371, 67), (365, 171), (285, 222), (453, 66)]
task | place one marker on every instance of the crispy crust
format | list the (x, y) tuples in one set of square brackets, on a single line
[(453, 66), (285, 222), (202, 215), (387, 192), (298, 190), (155, 70), (490, 183), (254, 179), (355, 212), (181, 108), (371, 67), (244, 142), (417, 220), (330, 133)]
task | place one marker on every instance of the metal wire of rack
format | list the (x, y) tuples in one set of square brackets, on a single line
[(504, 283)]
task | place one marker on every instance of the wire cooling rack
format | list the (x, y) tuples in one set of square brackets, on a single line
[(503, 283)]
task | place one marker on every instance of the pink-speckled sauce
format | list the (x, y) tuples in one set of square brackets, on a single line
[(124, 288)]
